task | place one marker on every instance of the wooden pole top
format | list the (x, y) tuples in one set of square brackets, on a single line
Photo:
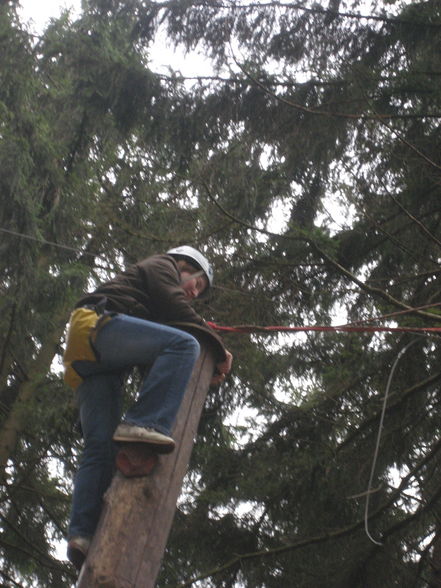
[(130, 541)]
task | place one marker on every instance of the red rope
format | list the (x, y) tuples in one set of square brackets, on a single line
[(343, 328)]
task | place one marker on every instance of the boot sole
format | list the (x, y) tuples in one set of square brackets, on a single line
[(157, 446)]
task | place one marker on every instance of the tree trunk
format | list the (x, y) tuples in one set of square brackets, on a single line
[(14, 423), (132, 534)]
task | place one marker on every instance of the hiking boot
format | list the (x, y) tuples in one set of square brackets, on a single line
[(132, 433), (77, 549)]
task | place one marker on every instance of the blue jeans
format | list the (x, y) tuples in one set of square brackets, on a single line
[(122, 343)]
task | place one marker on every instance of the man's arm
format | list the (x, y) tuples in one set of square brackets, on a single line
[(162, 279)]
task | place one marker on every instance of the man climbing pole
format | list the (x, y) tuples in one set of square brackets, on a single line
[(126, 323)]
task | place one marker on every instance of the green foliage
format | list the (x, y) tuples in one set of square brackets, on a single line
[(327, 115)]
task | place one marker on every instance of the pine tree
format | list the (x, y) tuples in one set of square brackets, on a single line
[(360, 130), (319, 112)]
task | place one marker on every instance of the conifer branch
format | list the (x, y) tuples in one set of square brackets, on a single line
[(315, 9), (333, 262), (382, 120), (334, 114), (9, 579), (6, 343), (370, 289), (249, 226), (34, 551), (404, 397), (392, 238), (244, 82), (421, 226), (239, 559), (361, 185), (338, 534)]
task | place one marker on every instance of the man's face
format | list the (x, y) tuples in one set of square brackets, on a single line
[(193, 283)]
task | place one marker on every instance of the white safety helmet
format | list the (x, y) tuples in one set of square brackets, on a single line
[(194, 257)]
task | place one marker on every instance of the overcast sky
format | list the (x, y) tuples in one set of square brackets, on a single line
[(37, 15), (40, 12)]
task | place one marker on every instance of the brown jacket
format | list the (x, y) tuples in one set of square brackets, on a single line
[(151, 289)]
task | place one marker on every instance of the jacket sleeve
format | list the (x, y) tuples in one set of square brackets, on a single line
[(161, 279)]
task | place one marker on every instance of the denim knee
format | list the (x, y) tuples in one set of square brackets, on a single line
[(191, 345)]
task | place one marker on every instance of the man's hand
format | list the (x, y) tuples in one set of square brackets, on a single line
[(222, 369)]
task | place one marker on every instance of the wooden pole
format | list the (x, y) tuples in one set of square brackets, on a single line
[(131, 537)]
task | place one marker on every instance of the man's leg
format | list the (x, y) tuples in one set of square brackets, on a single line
[(122, 343), (100, 411), (170, 352)]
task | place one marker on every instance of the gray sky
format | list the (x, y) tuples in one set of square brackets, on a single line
[(38, 14)]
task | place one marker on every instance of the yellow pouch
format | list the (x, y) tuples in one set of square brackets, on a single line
[(83, 328)]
